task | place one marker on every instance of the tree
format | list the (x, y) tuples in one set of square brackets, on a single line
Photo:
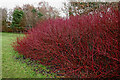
[(47, 10), (78, 7), (17, 17), (0, 19), (40, 13), (32, 15), (65, 9), (4, 18)]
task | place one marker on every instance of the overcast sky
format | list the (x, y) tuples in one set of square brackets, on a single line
[(10, 4)]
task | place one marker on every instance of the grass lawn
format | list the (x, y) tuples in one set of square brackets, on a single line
[(13, 68)]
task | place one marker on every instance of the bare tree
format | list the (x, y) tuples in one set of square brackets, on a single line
[(79, 7), (40, 13), (4, 19), (47, 10), (0, 19)]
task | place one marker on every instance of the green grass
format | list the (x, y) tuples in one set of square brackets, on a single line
[(13, 68)]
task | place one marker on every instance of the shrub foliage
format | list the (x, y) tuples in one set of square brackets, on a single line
[(81, 46)]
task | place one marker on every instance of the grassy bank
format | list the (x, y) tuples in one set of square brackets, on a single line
[(13, 68)]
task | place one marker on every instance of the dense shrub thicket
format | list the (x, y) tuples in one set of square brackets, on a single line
[(81, 46)]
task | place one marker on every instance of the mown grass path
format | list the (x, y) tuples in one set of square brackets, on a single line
[(12, 68)]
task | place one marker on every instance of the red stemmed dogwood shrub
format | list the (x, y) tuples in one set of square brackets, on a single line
[(81, 46)]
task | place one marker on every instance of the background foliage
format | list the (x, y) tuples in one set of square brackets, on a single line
[(23, 18)]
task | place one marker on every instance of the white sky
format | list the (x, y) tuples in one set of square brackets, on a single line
[(10, 4)]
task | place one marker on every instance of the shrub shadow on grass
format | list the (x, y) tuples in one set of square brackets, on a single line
[(40, 70)]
